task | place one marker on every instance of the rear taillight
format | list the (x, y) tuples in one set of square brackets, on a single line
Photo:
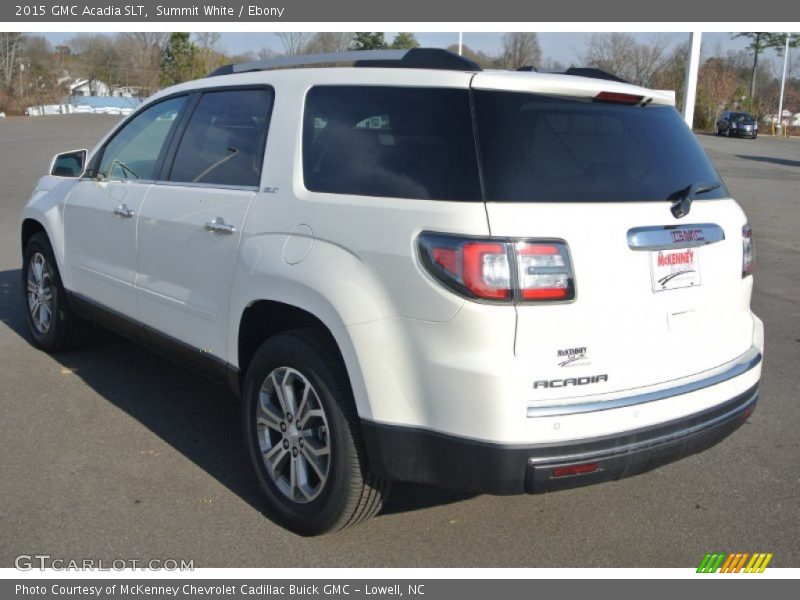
[(544, 271), (748, 252), (500, 270)]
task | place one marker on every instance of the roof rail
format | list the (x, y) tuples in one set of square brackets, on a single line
[(415, 58), (578, 72)]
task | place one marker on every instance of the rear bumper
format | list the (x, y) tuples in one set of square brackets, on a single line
[(419, 455)]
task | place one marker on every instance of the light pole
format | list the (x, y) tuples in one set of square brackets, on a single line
[(783, 83), (460, 41), (690, 85)]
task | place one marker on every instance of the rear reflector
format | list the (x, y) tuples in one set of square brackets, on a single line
[(618, 98), (748, 252), (581, 469), (499, 270)]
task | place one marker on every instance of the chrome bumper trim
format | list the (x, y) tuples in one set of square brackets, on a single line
[(741, 365), (674, 436)]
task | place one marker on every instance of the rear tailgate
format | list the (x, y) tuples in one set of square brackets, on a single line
[(591, 162), (622, 324)]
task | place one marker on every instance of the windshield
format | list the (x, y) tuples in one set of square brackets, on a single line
[(551, 149), (741, 118)]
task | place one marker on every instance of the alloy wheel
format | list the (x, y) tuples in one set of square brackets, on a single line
[(40, 293), (293, 435)]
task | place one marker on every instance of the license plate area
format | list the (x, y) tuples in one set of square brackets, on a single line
[(675, 269)]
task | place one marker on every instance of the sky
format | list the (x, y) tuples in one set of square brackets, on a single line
[(563, 47)]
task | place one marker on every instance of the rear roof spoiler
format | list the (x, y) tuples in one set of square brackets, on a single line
[(591, 72)]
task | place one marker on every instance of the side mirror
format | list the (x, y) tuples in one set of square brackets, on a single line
[(69, 164)]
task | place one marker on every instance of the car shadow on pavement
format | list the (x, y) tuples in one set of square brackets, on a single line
[(199, 420), (771, 159)]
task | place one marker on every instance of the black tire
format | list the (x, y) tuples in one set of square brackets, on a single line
[(66, 330), (352, 493), (719, 131)]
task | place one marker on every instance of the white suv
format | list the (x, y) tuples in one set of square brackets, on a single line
[(502, 282)]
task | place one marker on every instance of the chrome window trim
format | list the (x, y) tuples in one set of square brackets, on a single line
[(216, 186), (137, 181), (741, 365), (659, 237)]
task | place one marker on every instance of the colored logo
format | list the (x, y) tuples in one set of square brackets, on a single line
[(737, 562)]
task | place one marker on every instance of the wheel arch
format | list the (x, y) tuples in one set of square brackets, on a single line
[(45, 212), (265, 318), (28, 229)]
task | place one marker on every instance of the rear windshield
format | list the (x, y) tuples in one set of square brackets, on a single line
[(546, 149), (420, 143)]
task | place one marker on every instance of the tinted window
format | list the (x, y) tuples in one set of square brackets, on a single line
[(741, 118), (539, 148), (390, 141), (224, 141), (134, 151)]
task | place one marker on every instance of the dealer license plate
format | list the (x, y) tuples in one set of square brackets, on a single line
[(673, 269)]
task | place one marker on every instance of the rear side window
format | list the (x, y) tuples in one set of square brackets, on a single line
[(224, 141), (549, 149), (390, 141)]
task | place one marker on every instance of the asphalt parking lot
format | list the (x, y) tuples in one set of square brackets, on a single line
[(113, 452)]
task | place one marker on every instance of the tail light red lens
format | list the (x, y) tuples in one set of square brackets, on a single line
[(748, 251), (544, 271), (499, 270), (485, 270), (618, 98)]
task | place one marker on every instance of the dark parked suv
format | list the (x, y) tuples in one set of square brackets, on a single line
[(737, 124)]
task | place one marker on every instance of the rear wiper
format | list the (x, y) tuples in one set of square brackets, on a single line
[(684, 203)]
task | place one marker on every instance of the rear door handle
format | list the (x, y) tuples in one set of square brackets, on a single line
[(218, 225), (123, 211)]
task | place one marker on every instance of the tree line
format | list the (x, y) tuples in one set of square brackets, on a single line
[(33, 71), (727, 80)]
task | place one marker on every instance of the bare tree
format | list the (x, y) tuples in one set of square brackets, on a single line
[(621, 55), (211, 52), (520, 50), (552, 64), (672, 74), (266, 53), (97, 60), (242, 57), (716, 88), (484, 60), (140, 54), (10, 50), (39, 79), (294, 42), (329, 41)]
